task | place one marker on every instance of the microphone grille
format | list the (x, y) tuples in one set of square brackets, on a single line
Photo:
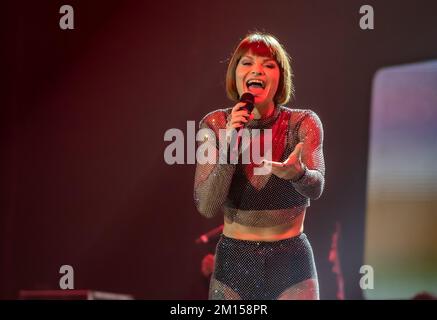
[(247, 97)]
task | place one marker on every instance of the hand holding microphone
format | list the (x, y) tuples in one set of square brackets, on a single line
[(242, 112)]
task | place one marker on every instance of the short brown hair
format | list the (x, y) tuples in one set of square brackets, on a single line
[(262, 44)]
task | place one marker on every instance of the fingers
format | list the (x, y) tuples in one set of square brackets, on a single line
[(239, 117), (295, 156), (276, 168), (275, 164), (238, 121), (243, 112), (238, 106), (292, 160), (298, 150)]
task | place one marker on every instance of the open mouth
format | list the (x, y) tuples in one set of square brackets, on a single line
[(255, 84)]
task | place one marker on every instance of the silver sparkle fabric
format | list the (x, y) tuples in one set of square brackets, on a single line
[(262, 201), (260, 270)]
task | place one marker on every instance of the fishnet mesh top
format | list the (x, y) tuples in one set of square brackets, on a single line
[(262, 200)]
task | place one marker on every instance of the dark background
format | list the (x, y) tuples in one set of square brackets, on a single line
[(84, 112)]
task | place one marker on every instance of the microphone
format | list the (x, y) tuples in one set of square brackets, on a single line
[(249, 100), (204, 238)]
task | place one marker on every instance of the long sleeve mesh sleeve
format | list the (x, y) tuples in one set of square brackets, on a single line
[(311, 184), (213, 179)]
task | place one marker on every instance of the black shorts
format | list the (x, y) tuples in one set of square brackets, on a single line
[(261, 270)]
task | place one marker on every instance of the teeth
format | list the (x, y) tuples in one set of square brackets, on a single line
[(255, 81)]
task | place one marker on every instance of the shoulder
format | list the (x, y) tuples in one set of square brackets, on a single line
[(299, 115), (215, 119), (304, 121)]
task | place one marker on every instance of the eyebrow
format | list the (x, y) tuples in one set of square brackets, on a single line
[(265, 59)]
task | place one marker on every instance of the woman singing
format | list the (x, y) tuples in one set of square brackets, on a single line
[(263, 252)]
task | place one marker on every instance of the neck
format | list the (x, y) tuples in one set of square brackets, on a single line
[(263, 111)]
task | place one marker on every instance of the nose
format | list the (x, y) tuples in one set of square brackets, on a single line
[(257, 70)]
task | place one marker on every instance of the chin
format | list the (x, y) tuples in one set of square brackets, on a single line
[(259, 99), (260, 102)]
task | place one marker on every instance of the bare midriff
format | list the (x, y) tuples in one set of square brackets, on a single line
[(287, 230)]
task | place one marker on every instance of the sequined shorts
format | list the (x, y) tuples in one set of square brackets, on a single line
[(260, 270)]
